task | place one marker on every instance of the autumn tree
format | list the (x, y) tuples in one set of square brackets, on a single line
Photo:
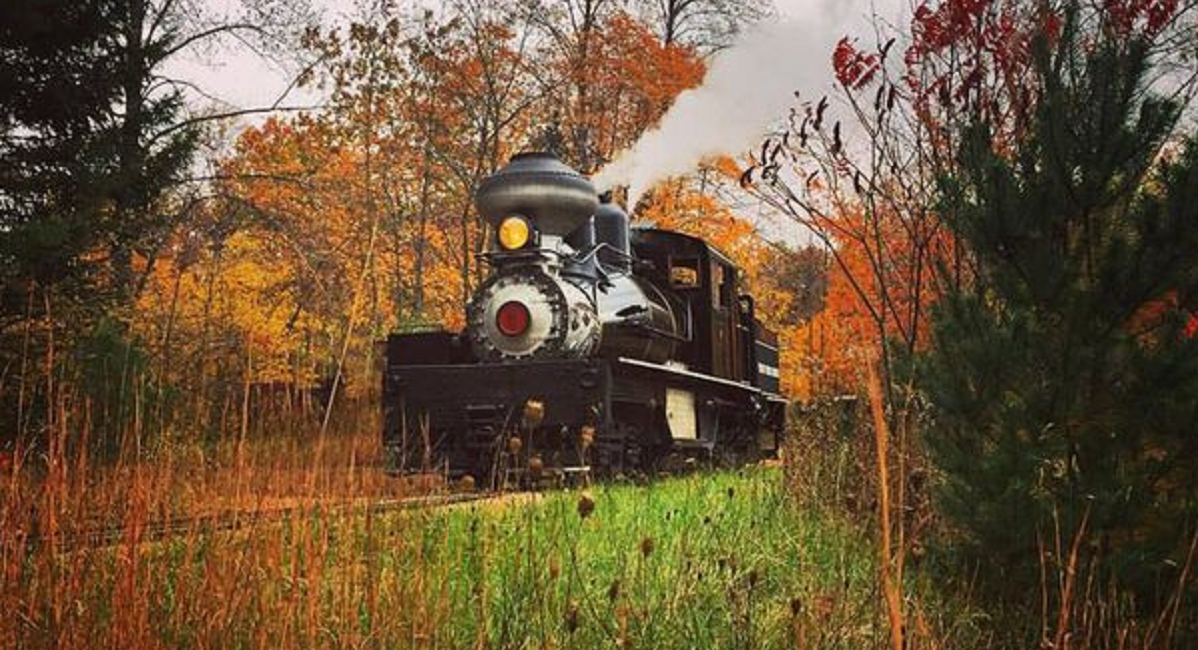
[(358, 220), (633, 81)]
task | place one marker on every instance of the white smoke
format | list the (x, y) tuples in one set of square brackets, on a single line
[(746, 88)]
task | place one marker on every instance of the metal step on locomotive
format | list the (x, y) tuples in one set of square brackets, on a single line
[(592, 346)]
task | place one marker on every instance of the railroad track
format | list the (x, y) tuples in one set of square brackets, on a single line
[(101, 536)]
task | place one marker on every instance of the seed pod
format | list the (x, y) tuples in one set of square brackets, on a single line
[(534, 413), (535, 466), (586, 505), (917, 551), (514, 445), (572, 616), (467, 483), (646, 546), (586, 437)]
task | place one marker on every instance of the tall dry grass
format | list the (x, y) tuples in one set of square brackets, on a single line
[(63, 584)]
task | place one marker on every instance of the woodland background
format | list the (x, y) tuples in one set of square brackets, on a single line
[(990, 335), (181, 275)]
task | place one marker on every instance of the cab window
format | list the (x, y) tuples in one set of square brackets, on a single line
[(684, 273)]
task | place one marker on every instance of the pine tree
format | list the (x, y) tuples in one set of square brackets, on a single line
[(91, 141), (1065, 377), (57, 87)]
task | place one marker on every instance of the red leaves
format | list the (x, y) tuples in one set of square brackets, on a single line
[(1159, 15), (936, 29), (1051, 26), (854, 69), (978, 53), (1147, 322), (1147, 16)]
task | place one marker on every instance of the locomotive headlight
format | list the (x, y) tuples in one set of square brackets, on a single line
[(513, 318), (514, 233)]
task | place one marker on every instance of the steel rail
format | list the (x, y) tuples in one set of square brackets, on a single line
[(102, 536)]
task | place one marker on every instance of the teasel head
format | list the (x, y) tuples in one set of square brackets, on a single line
[(646, 547), (534, 413), (514, 445), (572, 616), (586, 437), (613, 591), (918, 478), (586, 505), (917, 551), (535, 466)]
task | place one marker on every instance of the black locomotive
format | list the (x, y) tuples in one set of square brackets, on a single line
[(592, 345)]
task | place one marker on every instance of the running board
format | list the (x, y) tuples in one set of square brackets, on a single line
[(687, 374)]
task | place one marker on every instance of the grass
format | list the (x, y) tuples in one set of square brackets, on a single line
[(704, 561)]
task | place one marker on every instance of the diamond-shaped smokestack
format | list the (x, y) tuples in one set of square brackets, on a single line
[(540, 187)]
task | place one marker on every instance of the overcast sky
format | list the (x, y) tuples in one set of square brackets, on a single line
[(239, 79)]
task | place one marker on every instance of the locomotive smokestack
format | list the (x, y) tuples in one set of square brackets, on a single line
[(538, 186)]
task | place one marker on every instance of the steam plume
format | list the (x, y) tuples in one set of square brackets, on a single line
[(746, 88)]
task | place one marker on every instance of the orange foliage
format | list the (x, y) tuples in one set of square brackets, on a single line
[(630, 81), (335, 228), (881, 287)]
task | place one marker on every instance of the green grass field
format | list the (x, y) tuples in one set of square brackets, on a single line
[(704, 561), (697, 562)]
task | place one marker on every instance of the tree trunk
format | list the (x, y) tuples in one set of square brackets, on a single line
[(131, 152)]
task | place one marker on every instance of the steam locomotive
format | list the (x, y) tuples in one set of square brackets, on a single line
[(592, 346)]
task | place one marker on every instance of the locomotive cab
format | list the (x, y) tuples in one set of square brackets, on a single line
[(590, 346)]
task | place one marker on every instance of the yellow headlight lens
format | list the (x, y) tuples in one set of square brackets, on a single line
[(514, 232)]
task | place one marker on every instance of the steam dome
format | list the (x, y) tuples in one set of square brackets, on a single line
[(540, 187)]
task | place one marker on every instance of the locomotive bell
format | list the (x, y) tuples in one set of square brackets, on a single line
[(539, 187)]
